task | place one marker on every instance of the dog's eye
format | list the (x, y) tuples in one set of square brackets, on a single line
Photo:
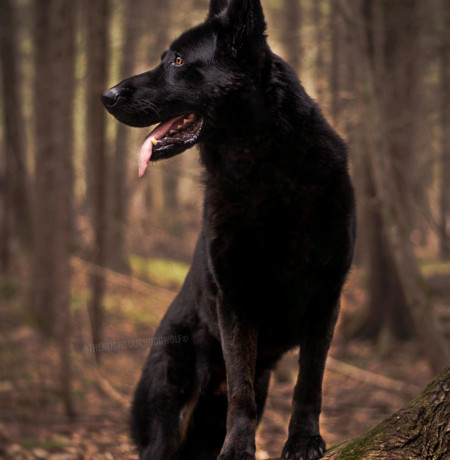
[(179, 60)]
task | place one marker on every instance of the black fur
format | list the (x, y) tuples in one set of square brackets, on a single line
[(273, 252)]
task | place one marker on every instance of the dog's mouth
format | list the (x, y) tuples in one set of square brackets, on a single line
[(169, 138)]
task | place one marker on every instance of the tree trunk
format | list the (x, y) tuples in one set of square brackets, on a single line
[(419, 431), (386, 315), (444, 202), (291, 35), (96, 81), (390, 192), (155, 192), (17, 208), (54, 64), (62, 44), (320, 73), (336, 61), (118, 259), (50, 290)]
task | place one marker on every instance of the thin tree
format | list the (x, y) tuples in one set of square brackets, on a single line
[(96, 81), (386, 315), (132, 30), (336, 60), (62, 36), (43, 301), (319, 35), (444, 96), (162, 189), (291, 33), (50, 291), (16, 202)]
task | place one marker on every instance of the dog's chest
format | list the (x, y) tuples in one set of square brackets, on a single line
[(259, 239)]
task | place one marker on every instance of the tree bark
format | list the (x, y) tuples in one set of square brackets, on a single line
[(390, 193), (320, 73), (336, 61), (118, 258), (17, 207), (160, 189), (421, 430), (291, 35), (54, 55), (444, 76), (63, 16), (386, 316), (96, 81), (54, 78)]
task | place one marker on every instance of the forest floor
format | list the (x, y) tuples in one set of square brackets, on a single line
[(32, 420)]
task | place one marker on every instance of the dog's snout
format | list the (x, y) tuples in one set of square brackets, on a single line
[(111, 96)]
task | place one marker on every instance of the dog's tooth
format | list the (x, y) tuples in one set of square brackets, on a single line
[(154, 141), (185, 121), (172, 131)]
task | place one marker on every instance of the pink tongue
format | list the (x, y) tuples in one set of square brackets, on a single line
[(146, 149)]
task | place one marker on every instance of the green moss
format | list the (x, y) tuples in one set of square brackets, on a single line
[(47, 444), (142, 317), (8, 291), (358, 448), (435, 267), (162, 272)]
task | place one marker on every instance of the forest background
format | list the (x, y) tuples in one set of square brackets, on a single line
[(90, 256)]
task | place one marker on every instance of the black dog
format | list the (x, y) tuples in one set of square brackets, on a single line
[(273, 252)]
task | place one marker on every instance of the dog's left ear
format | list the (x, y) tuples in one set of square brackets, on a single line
[(246, 17), (216, 7)]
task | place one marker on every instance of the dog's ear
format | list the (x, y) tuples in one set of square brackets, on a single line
[(216, 7), (246, 17)]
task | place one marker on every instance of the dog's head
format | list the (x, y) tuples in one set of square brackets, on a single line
[(202, 68)]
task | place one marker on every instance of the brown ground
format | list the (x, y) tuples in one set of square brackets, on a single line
[(32, 423)]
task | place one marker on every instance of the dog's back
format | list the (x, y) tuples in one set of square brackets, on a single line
[(275, 245)]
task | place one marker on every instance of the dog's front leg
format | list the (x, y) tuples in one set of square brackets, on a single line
[(304, 441), (239, 344)]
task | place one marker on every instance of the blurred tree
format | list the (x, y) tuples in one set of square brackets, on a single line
[(320, 72), (383, 141), (386, 315), (337, 59), (291, 33), (54, 55), (96, 80), (118, 257), (444, 96), (16, 195), (162, 189)]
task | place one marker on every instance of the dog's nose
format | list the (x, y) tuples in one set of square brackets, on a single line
[(109, 97)]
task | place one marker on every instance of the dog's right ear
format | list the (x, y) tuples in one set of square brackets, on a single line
[(216, 7), (246, 22)]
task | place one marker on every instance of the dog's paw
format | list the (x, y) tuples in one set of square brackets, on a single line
[(304, 448)]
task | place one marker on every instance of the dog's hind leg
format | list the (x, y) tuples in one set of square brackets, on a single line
[(208, 426), (168, 388)]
